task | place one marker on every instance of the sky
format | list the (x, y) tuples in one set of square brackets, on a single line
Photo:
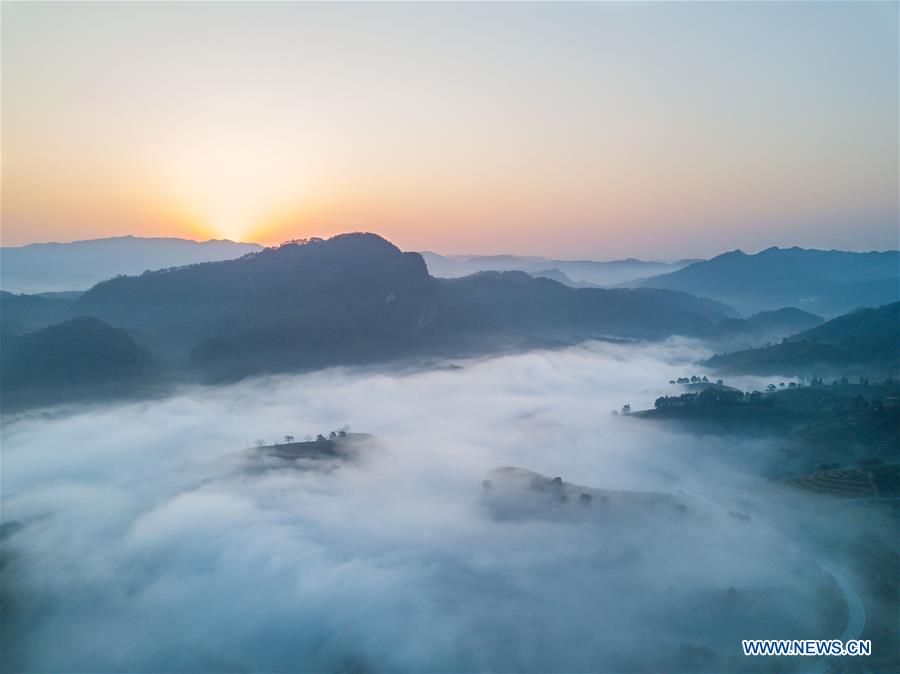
[(655, 130)]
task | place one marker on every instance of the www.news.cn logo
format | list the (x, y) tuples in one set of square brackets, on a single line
[(813, 647)]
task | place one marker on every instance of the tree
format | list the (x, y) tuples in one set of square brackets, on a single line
[(332, 435), (288, 438), (626, 409), (320, 438), (260, 443)]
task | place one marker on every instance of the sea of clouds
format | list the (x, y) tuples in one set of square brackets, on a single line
[(138, 538)]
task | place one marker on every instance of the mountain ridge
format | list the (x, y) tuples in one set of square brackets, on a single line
[(865, 337), (825, 282), (594, 272), (351, 299)]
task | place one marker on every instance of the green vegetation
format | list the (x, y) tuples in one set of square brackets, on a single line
[(334, 445), (869, 338), (815, 423), (83, 356)]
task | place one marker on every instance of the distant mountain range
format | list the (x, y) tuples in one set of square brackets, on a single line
[(354, 298), (575, 273), (49, 267), (357, 298), (828, 283), (869, 337)]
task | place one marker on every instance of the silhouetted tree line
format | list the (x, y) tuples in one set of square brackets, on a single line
[(288, 439), (714, 397)]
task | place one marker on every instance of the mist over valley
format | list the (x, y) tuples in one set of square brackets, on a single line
[(493, 508)]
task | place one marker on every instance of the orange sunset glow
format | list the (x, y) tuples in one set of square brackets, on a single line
[(291, 120)]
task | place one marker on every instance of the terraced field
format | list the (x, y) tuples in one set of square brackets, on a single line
[(850, 482)]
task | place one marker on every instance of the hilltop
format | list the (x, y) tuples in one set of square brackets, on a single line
[(79, 357), (867, 338)]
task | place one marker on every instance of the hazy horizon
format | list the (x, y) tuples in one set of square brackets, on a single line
[(603, 131), (461, 254)]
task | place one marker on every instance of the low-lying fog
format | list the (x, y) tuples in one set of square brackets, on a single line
[(142, 541)]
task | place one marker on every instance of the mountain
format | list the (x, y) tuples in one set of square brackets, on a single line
[(867, 334), (787, 319), (80, 357), (514, 303), (23, 313), (353, 298), (43, 267), (590, 272), (866, 337), (559, 277), (770, 325), (824, 282)]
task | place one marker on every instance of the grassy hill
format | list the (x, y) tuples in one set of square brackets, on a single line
[(337, 445), (867, 337), (83, 357), (513, 491)]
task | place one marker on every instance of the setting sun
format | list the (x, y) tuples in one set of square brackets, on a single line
[(231, 182), (299, 119)]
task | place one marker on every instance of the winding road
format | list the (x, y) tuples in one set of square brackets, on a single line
[(856, 610)]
